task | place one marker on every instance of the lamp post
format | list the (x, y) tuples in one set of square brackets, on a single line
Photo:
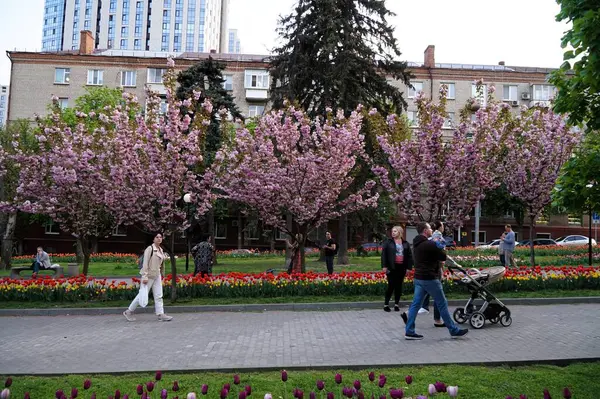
[(590, 186), (187, 198)]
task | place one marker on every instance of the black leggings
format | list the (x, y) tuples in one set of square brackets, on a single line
[(395, 279)]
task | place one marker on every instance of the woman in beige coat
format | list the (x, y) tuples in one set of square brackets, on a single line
[(151, 271)]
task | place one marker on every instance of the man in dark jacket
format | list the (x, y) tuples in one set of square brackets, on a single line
[(427, 258)]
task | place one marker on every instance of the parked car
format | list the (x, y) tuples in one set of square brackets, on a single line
[(574, 240), (491, 244), (537, 242)]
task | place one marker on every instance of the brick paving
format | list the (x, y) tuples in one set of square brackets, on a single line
[(285, 339)]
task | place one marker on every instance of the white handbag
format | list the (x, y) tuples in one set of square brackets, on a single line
[(143, 295)]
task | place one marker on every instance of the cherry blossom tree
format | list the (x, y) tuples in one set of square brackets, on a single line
[(442, 171), (540, 144), (292, 165)]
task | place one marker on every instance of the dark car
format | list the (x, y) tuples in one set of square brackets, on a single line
[(537, 242)]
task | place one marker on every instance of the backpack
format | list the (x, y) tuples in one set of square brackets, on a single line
[(141, 258), (337, 246)]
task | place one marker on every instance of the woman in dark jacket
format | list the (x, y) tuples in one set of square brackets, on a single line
[(396, 259)]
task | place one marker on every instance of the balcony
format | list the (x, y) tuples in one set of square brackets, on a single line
[(257, 94), (157, 87)]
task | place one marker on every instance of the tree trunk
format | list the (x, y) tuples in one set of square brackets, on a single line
[(210, 217), (85, 249), (343, 241), (173, 269), (531, 231), (290, 225), (7, 240), (78, 252), (240, 229)]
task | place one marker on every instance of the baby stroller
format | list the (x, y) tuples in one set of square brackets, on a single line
[(476, 281)]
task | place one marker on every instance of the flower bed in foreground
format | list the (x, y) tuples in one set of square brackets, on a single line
[(399, 383), (244, 285)]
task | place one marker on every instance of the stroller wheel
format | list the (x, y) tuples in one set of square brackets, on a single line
[(506, 320), (477, 320), (459, 316)]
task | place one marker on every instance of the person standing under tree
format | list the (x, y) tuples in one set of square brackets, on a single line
[(330, 251), (204, 259), (509, 247), (396, 259)]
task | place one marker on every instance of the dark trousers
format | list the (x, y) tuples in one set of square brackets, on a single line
[(329, 263), (502, 259), (35, 266), (395, 279), (425, 305)]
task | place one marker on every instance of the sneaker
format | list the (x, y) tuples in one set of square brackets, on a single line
[(423, 311), (460, 333), (386, 308), (413, 337), (129, 315), (396, 308), (164, 317), (404, 317)]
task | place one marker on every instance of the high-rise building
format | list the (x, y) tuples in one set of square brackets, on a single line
[(234, 44), (3, 104), (151, 25)]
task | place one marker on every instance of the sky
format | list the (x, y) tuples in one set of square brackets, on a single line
[(519, 32)]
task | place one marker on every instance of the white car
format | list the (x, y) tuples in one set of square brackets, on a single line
[(574, 240), (491, 244)]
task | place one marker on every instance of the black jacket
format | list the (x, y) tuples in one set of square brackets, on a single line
[(388, 255), (427, 258)]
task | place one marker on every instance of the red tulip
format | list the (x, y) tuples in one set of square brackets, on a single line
[(93, 395), (566, 393), (204, 389), (175, 386), (547, 394), (8, 382), (87, 384), (330, 395), (26, 395), (338, 378), (248, 390), (408, 379), (140, 389), (371, 376), (74, 393), (312, 395), (150, 386), (227, 386), (284, 376), (158, 376), (242, 395), (320, 385), (117, 394), (357, 385)]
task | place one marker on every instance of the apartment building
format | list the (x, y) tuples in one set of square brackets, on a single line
[(137, 25), (234, 45), (36, 77), (4, 92)]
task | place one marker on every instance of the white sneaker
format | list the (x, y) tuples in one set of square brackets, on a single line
[(164, 317), (423, 311), (129, 315)]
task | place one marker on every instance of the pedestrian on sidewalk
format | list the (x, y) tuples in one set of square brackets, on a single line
[(330, 251), (152, 271), (396, 259), (509, 247), (204, 259), (438, 238), (427, 281)]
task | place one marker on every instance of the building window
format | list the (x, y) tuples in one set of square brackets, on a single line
[(86, 24), (51, 228), (251, 231), (138, 5), (449, 121), (413, 118), (228, 83), (543, 92), (509, 92), (418, 87), (128, 78), (62, 75), (543, 235), (255, 110), (63, 102), (123, 44), (220, 231), (451, 90), (508, 214), (481, 99), (120, 231), (113, 6), (482, 237), (574, 220), (137, 45), (95, 77), (257, 79), (124, 31), (138, 31), (155, 75), (164, 106)]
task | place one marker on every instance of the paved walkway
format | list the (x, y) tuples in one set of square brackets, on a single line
[(282, 339)]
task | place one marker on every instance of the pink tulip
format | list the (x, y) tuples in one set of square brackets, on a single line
[(191, 395), (452, 391), (431, 389)]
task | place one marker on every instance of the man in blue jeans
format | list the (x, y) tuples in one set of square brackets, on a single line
[(427, 257)]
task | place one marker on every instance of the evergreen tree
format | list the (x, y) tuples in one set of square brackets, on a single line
[(338, 54), (207, 77)]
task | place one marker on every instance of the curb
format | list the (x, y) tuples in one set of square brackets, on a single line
[(345, 366), (265, 307)]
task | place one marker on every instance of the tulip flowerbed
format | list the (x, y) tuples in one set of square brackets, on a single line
[(245, 285), (416, 383)]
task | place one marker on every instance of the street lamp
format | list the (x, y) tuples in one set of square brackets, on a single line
[(590, 186), (187, 198)]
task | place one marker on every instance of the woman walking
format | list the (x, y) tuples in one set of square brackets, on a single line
[(151, 271), (396, 259)]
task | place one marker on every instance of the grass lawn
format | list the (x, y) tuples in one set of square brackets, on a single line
[(245, 265), (474, 382), (296, 299)]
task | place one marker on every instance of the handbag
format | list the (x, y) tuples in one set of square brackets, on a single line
[(143, 295)]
